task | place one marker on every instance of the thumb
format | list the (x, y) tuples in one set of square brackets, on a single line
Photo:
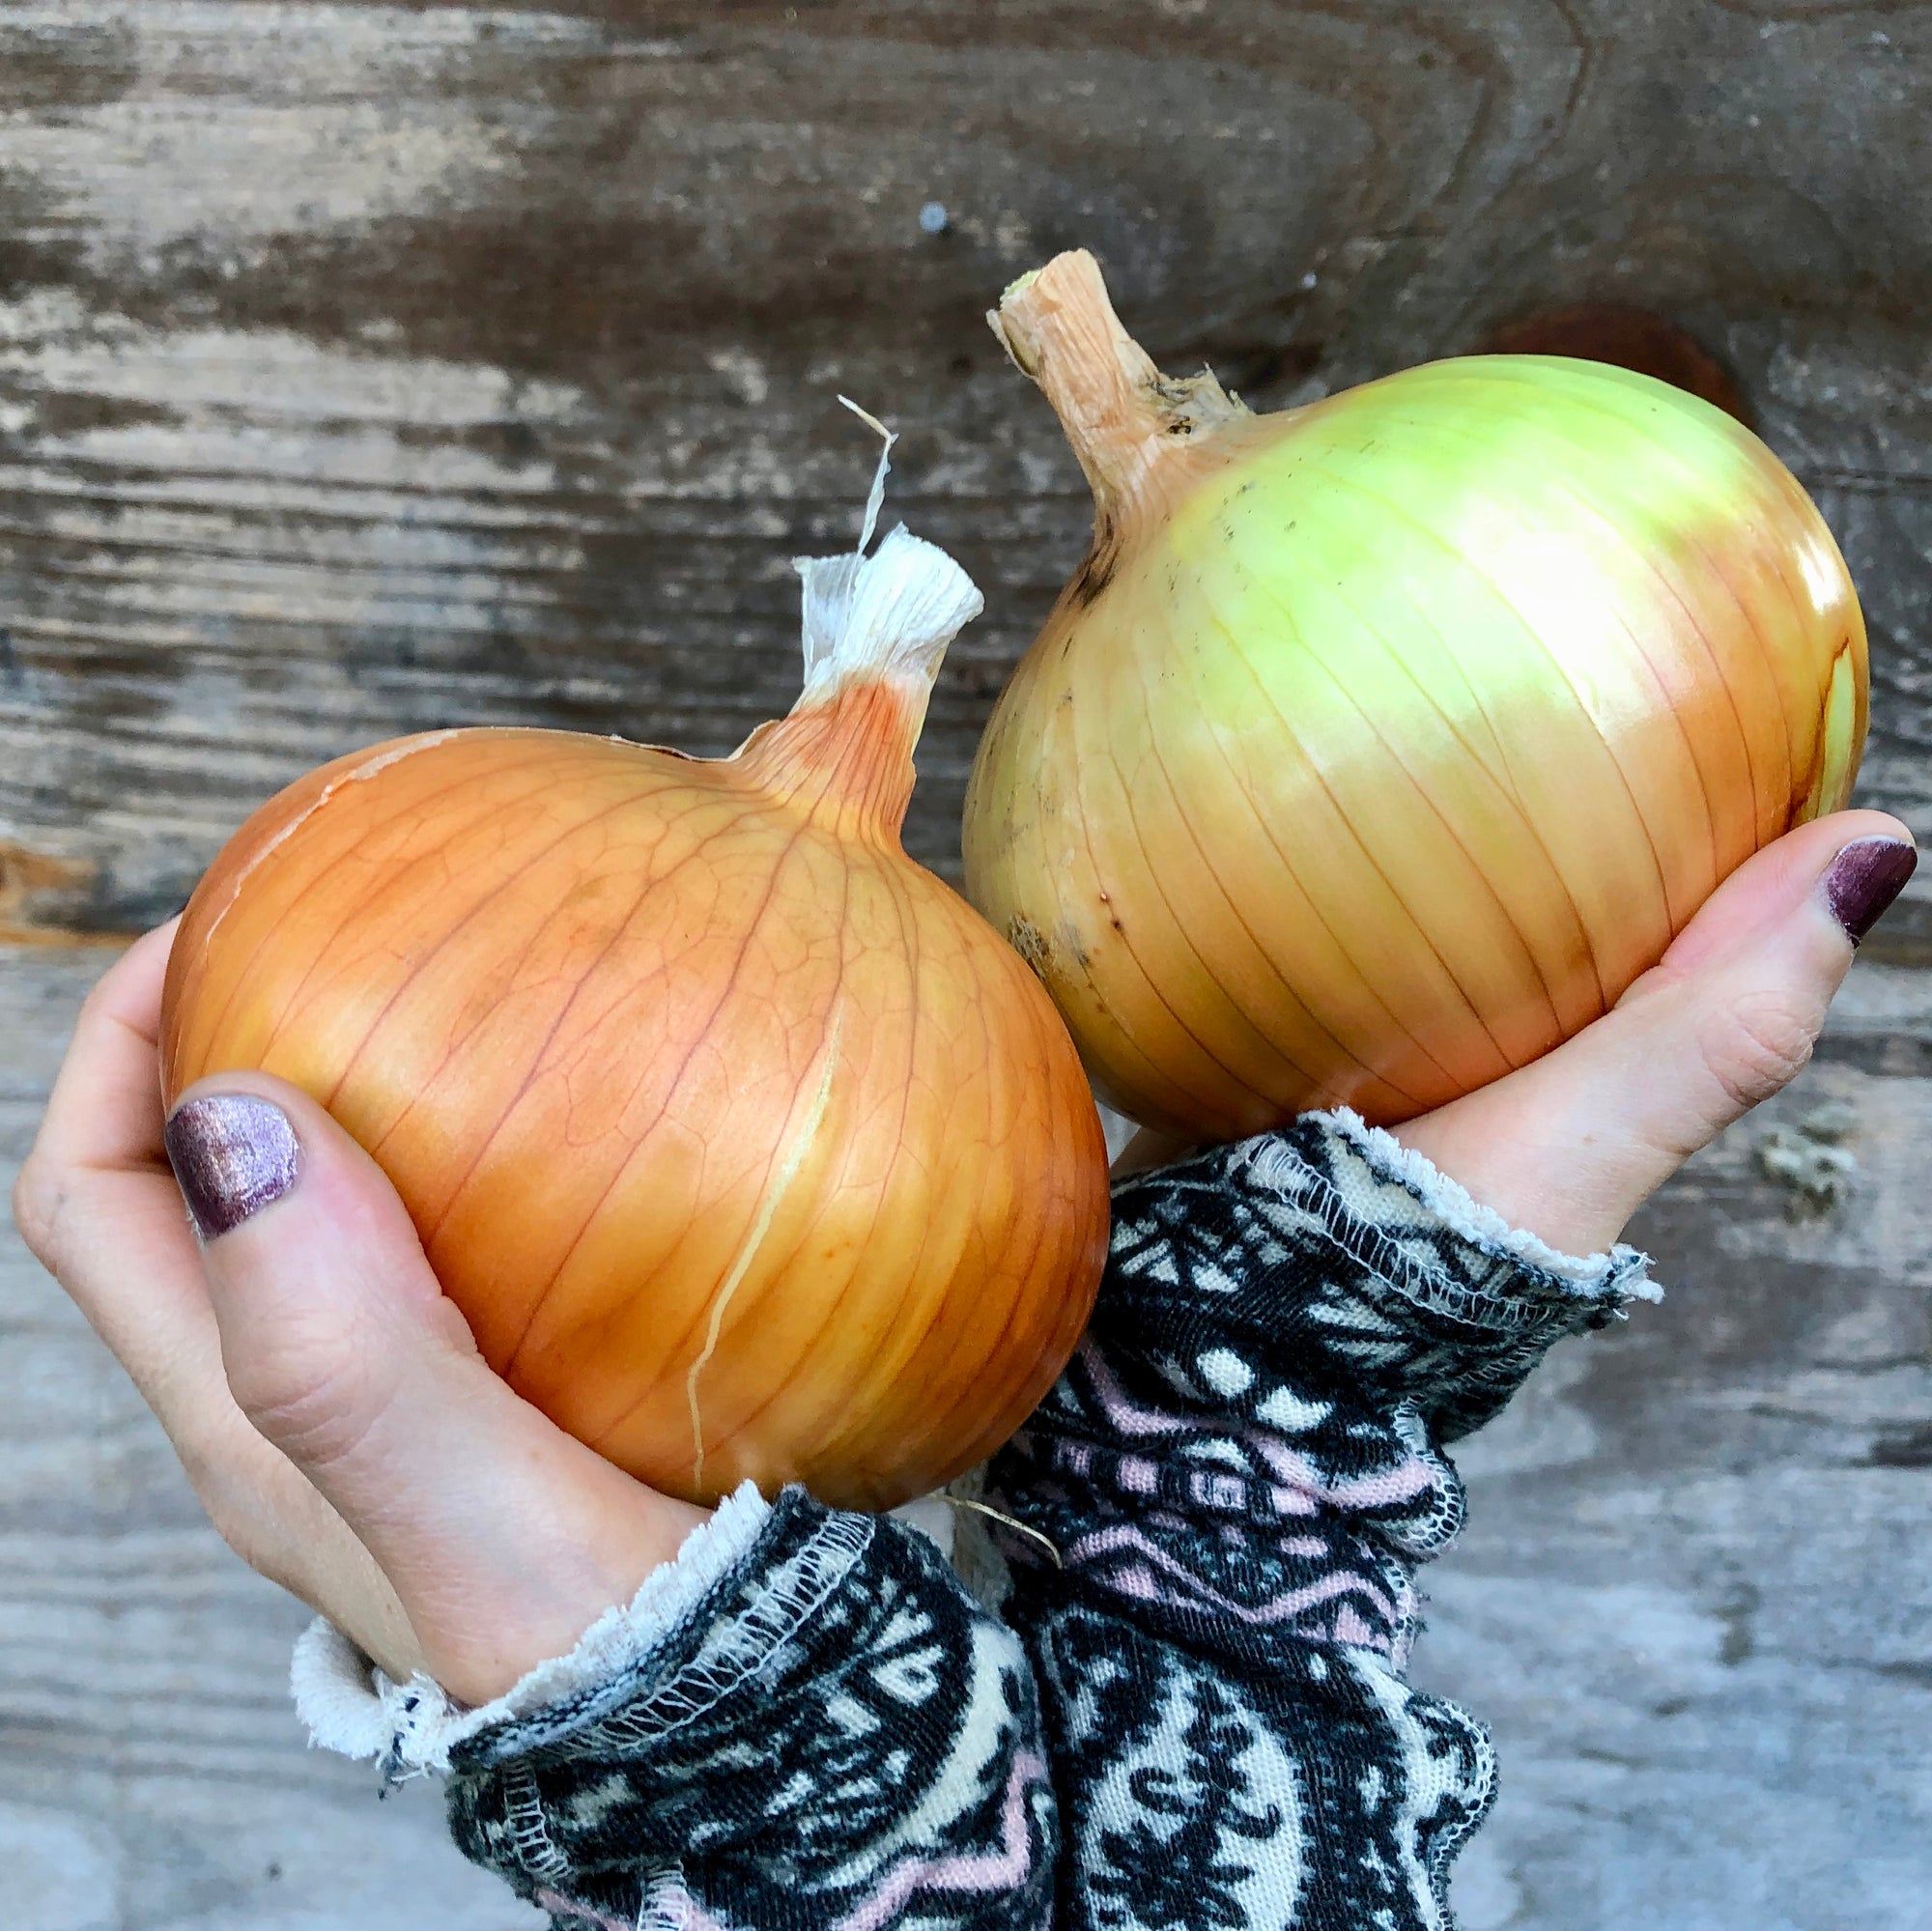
[(502, 1537), (1571, 1145)]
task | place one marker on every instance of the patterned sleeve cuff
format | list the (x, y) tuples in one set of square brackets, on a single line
[(1290, 1333), (1332, 1259), (1399, 1213), (350, 1706), (837, 1734)]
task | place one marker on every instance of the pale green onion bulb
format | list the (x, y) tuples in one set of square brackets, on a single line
[(1378, 745)]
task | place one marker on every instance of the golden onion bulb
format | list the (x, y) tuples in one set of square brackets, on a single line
[(746, 1148), (1380, 744)]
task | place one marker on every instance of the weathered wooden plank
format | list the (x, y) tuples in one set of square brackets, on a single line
[(365, 368)]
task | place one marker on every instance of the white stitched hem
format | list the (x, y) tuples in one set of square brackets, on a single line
[(349, 1705), (1482, 1225)]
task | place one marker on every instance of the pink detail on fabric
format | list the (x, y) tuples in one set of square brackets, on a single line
[(1409, 1478), (1126, 1414), (1390, 1485), (1304, 1545), (1350, 1629), (1089, 1549), (1294, 1501), (991, 1870), (1137, 1475), (689, 1917)]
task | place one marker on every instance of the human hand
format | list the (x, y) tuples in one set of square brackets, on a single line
[(325, 1399), (1570, 1147)]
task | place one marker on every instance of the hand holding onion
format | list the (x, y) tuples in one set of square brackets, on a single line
[(327, 1396), (744, 1147), (348, 1440), (326, 1400), (1380, 744)]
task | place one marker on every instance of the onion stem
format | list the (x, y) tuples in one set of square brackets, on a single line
[(1126, 420)]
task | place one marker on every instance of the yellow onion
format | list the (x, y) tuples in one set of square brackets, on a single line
[(743, 1145), (1378, 745)]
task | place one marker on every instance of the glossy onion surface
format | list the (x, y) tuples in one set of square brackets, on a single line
[(1381, 744), (743, 1145)]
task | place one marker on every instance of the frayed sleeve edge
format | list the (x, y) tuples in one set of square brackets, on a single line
[(1621, 1271), (350, 1706), (1512, 1272)]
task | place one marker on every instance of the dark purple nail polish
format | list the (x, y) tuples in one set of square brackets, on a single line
[(1864, 878), (232, 1154)]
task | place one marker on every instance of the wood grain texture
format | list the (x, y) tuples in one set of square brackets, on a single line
[(365, 368), (368, 368), (1694, 1599), (152, 1772)]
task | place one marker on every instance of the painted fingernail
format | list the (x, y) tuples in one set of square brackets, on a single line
[(232, 1154), (1864, 878)]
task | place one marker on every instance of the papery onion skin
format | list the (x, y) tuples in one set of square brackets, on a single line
[(1380, 745), (744, 1147)]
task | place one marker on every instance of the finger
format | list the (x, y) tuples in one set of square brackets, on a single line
[(105, 1108), (132, 1269), (277, 1521), (95, 1201), (1571, 1145), (503, 1537), (103, 1121)]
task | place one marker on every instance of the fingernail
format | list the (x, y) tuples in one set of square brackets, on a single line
[(1864, 878), (232, 1154)]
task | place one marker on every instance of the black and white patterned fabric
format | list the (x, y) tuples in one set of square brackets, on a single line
[(1241, 1473), (841, 1736), (1189, 1711)]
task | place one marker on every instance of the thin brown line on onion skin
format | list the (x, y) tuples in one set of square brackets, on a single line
[(1316, 1022), (1343, 1050), (1679, 633), (1480, 764), (675, 1348), (532, 863), (594, 1171), (1589, 513), (1396, 894), (238, 859), (1710, 563), (1480, 772), (1712, 559), (699, 1039)]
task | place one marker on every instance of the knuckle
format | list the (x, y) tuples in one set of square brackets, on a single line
[(39, 1201), (317, 1416), (102, 996), (248, 1507), (1758, 1046)]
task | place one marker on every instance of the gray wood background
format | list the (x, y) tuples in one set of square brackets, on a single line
[(364, 368)]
